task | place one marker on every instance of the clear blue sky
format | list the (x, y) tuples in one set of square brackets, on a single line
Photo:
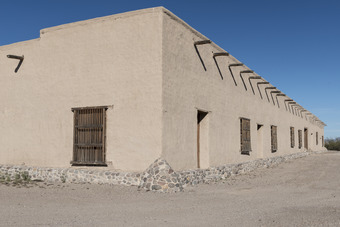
[(295, 45)]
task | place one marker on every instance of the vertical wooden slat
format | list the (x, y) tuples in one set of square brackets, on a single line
[(74, 134), (272, 138), (293, 139), (104, 135), (241, 136), (89, 115), (248, 135)]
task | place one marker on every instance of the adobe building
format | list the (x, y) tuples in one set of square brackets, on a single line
[(124, 90)]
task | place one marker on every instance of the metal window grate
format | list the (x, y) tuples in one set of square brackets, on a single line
[(292, 137), (300, 138), (274, 138), (89, 136), (245, 136)]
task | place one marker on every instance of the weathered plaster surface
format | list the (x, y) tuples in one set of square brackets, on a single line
[(115, 61), (143, 65), (187, 87)]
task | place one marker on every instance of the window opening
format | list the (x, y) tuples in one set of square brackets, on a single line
[(292, 139), (306, 138), (202, 140), (259, 149), (245, 136), (89, 136), (300, 138), (274, 138)]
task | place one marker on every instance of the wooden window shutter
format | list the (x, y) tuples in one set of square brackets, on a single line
[(274, 138), (89, 136), (292, 137), (300, 138), (245, 136)]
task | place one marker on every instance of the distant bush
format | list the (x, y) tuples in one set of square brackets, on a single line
[(333, 144)]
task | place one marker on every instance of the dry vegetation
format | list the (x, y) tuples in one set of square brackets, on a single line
[(333, 144)]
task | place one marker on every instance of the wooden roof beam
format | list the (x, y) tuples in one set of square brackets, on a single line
[(259, 83), (202, 42), (245, 71), (218, 55), (267, 88), (253, 78), (231, 72), (20, 58)]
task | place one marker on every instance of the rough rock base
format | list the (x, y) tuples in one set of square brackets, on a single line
[(158, 177)]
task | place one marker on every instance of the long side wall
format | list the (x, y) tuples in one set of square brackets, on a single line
[(188, 87), (113, 61)]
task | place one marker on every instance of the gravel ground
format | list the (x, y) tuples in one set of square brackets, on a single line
[(302, 192)]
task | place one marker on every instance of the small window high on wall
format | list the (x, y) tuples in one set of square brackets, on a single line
[(273, 138), (300, 138), (245, 136), (89, 136), (292, 137)]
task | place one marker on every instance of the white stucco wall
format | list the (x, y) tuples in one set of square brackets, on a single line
[(113, 61)]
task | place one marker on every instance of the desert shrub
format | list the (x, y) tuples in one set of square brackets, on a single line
[(25, 176), (333, 144), (19, 179)]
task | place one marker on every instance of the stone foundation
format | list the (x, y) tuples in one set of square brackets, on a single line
[(72, 175), (213, 174), (158, 177)]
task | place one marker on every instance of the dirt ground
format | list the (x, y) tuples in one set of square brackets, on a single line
[(302, 192)]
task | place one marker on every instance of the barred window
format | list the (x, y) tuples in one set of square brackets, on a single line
[(317, 138), (89, 136), (274, 138), (300, 138), (292, 137), (245, 136)]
